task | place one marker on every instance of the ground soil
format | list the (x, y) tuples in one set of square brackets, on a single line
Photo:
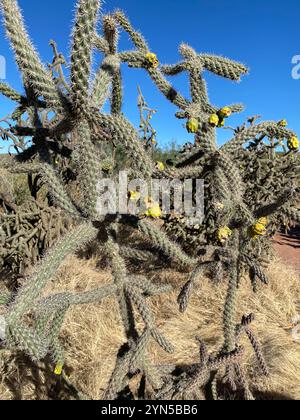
[(287, 247)]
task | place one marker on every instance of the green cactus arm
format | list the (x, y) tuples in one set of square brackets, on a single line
[(56, 302), (53, 336), (59, 128), (174, 69), (117, 93), (187, 51), (113, 63), (136, 254), (194, 65), (209, 141), (90, 168), (47, 306), (294, 214), (160, 240), (134, 59), (26, 339), (139, 352), (5, 297), (27, 58), (57, 352), (10, 93), (101, 44), (203, 97), (111, 32), (270, 209), (245, 214), (228, 167), (258, 352), (147, 317), (11, 165), (119, 273), (139, 301), (103, 80), (163, 85), (270, 128), (229, 320), (111, 35), (167, 89), (197, 87), (222, 192), (147, 287), (236, 108), (197, 84), (18, 112), (81, 56), (57, 190), (256, 271), (119, 378), (135, 36), (279, 132), (94, 295), (191, 157), (245, 135), (186, 291), (223, 66), (137, 60), (125, 135), (28, 293)]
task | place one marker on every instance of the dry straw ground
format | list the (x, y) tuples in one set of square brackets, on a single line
[(92, 334)]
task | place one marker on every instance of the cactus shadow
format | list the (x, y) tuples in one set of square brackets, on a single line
[(26, 380), (290, 238)]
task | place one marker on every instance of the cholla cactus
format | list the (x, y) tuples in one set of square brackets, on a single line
[(77, 110), (27, 231)]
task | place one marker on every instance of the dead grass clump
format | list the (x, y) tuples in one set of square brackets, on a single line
[(92, 334)]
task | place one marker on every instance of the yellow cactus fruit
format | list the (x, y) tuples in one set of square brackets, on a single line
[(134, 195), (214, 120), (107, 165), (263, 221), (283, 123), (219, 206), (192, 125), (152, 60), (259, 229), (225, 112), (223, 234), (153, 142), (153, 209), (160, 166), (58, 369), (293, 143)]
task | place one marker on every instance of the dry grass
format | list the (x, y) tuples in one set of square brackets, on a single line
[(92, 334)]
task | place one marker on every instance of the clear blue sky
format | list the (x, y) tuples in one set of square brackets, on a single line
[(265, 35)]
